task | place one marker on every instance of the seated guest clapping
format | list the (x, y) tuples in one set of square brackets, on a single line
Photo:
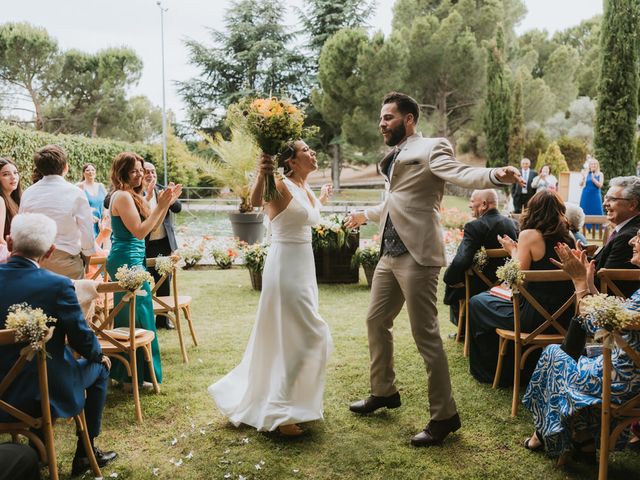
[(22, 279), (542, 226), (566, 386), (481, 232), (622, 206)]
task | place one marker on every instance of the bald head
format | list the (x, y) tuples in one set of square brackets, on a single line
[(483, 200)]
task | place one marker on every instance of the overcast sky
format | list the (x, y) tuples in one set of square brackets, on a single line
[(91, 25)]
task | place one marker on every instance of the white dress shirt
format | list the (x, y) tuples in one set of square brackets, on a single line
[(159, 232), (68, 206)]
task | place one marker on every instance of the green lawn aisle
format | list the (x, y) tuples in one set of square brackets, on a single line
[(344, 446)]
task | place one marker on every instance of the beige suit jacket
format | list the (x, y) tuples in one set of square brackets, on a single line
[(415, 192)]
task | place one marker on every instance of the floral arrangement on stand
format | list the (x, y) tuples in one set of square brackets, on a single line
[(165, 265), (254, 258), (32, 325), (224, 256), (132, 278), (272, 123), (331, 233), (368, 256)]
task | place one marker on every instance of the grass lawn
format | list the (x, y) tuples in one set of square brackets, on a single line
[(344, 446)]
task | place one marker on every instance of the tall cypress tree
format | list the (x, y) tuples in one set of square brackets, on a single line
[(517, 134), (617, 109), (497, 119)]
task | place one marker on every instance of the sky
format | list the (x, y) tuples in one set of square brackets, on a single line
[(91, 25)]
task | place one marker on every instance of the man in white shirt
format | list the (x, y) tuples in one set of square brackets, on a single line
[(68, 206)]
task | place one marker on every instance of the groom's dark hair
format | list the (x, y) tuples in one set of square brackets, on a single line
[(405, 104)]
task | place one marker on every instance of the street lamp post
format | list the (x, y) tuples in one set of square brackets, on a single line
[(164, 110)]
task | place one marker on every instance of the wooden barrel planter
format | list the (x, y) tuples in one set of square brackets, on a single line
[(256, 280), (334, 266)]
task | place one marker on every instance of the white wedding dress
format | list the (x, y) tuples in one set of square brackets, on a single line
[(280, 379)]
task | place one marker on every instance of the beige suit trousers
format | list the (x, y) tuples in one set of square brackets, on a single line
[(395, 280), (64, 263)]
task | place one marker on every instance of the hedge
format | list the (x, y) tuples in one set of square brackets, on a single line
[(20, 144)]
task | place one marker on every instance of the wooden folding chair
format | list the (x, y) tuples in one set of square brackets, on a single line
[(25, 423), (170, 306), (609, 276), (101, 271), (525, 343), (599, 231), (123, 347), (464, 312), (625, 414)]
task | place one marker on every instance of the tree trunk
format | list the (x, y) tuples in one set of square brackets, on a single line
[(37, 106), (94, 127), (336, 165)]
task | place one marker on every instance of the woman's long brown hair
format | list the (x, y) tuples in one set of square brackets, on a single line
[(122, 164), (545, 213), (11, 201)]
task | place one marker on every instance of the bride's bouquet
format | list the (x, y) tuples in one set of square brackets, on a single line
[(273, 123)]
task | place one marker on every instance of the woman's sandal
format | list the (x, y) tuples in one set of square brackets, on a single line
[(290, 430)]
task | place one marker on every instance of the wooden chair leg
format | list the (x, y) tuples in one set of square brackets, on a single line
[(502, 346), (466, 330), (187, 315), (605, 415), (148, 356), (134, 385), (183, 349), (517, 359), (461, 318), (81, 426)]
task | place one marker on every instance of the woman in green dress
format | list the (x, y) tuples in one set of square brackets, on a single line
[(131, 221)]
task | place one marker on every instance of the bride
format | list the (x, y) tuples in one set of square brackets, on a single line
[(280, 380)]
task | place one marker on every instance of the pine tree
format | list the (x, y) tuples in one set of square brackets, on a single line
[(617, 109), (497, 118), (517, 134)]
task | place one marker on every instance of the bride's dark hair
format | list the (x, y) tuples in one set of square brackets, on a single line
[(288, 152)]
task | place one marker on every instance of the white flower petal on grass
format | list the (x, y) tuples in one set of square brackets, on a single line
[(200, 360), (173, 441), (114, 475), (258, 466), (189, 455), (245, 440), (261, 462), (183, 435), (227, 451), (178, 463), (241, 477), (155, 471), (227, 475), (296, 470), (202, 431)]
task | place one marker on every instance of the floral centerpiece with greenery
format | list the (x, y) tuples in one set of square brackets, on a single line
[(331, 233), (32, 325), (272, 123)]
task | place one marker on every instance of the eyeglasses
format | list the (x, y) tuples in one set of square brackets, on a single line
[(607, 198)]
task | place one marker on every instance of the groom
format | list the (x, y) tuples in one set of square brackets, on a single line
[(412, 253)]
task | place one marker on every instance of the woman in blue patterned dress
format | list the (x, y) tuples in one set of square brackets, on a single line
[(563, 389)]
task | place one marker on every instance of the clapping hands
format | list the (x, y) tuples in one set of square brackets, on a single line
[(575, 263), (169, 195)]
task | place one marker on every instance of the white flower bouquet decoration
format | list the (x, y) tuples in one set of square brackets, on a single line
[(132, 278), (480, 259), (511, 274), (609, 312), (32, 325), (165, 265)]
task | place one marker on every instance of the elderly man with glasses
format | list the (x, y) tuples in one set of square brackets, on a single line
[(622, 207)]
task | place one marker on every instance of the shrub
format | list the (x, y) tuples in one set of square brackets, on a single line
[(574, 151), (535, 144), (554, 157)]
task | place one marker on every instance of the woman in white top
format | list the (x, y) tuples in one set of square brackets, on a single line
[(280, 379), (544, 180), (9, 200)]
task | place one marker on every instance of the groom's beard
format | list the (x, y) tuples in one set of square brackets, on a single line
[(397, 134)]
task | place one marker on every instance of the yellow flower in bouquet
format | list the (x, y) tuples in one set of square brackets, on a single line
[(273, 123)]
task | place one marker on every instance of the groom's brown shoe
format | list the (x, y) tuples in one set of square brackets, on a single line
[(373, 403), (436, 431)]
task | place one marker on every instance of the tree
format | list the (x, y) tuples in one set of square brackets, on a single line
[(252, 57), (617, 109), (554, 158), (517, 133), (28, 57), (497, 120), (91, 90), (559, 74)]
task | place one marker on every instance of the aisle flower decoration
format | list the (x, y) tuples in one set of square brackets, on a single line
[(273, 123), (480, 259), (132, 278), (32, 325), (165, 265), (191, 255), (224, 257), (511, 274), (254, 255), (368, 255), (609, 313), (331, 233)]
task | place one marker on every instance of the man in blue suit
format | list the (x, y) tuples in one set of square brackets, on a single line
[(22, 279)]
